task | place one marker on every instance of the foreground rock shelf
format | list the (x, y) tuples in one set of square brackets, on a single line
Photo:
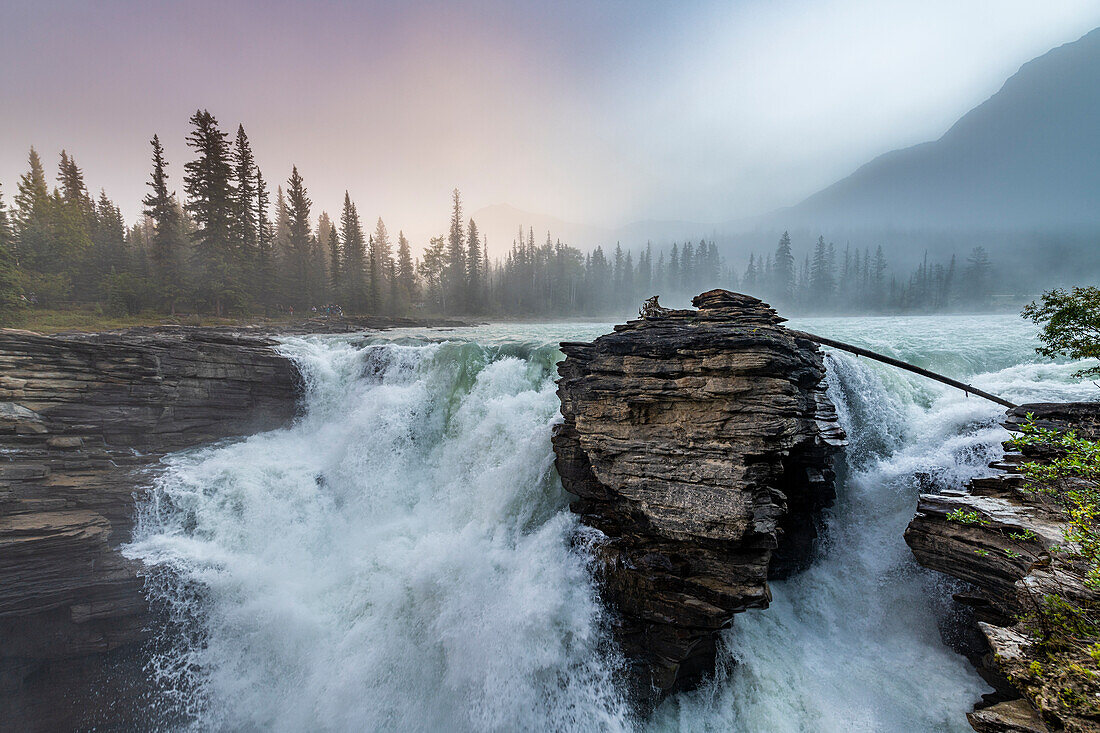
[(81, 415), (1007, 573), (700, 443)]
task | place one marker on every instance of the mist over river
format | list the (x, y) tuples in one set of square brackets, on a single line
[(402, 557)]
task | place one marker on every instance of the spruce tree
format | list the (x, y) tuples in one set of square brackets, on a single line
[(878, 280), (406, 273), (380, 255), (300, 266), (334, 259), (432, 268), (354, 260), (244, 204), (109, 238), (454, 274), (74, 192), (211, 201), (266, 266), (69, 246), (32, 218), (474, 275), (12, 303), (166, 243), (784, 270), (821, 277)]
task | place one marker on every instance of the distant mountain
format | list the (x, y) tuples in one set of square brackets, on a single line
[(1019, 174), (1028, 157)]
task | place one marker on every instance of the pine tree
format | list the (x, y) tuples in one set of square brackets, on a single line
[(109, 239), (324, 254), (244, 204), (208, 182), (379, 256), (822, 284), (749, 281), (474, 273), (12, 302), (784, 270), (334, 259), (354, 263), (72, 222), (454, 275), (406, 273), (432, 268), (977, 276), (302, 290), (948, 284), (165, 245), (878, 280), (74, 192), (673, 279), (687, 269), (33, 238), (266, 265)]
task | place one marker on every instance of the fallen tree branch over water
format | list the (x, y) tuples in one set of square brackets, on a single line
[(859, 351)]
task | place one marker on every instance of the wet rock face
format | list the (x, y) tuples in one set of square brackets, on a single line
[(700, 443), (81, 416), (1006, 559)]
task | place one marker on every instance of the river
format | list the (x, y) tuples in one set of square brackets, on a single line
[(402, 556)]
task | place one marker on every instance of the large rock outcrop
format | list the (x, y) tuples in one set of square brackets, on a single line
[(1002, 539), (81, 415), (700, 444)]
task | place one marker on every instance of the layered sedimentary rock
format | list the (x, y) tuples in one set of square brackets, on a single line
[(81, 415), (1001, 539), (700, 444)]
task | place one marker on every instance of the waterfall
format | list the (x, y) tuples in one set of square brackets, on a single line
[(402, 556)]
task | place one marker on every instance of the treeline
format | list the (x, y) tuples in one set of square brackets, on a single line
[(555, 279), (225, 247), (860, 281)]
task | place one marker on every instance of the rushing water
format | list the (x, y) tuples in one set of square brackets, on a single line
[(402, 556)]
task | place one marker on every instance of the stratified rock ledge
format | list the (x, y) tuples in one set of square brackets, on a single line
[(700, 443), (80, 416), (1007, 572)]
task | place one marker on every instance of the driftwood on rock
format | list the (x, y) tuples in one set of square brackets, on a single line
[(700, 444)]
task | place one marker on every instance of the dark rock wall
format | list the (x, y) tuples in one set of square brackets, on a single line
[(700, 443), (81, 416)]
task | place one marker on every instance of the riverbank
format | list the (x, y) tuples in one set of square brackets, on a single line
[(90, 320)]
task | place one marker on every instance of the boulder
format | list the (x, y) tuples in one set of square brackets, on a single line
[(700, 444)]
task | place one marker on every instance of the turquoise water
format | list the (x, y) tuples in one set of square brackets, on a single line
[(402, 557)]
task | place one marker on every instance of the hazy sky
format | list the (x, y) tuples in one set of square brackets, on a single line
[(595, 112)]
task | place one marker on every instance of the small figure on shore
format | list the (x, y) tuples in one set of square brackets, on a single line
[(652, 309)]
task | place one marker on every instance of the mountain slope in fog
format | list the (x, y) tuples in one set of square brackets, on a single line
[(1029, 156)]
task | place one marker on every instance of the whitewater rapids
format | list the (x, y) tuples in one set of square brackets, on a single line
[(402, 557)]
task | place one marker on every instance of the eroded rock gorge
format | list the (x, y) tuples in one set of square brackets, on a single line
[(1002, 539), (700, 444), (81, 416)]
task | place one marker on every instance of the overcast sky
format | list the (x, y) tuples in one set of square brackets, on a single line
[(594, 112)]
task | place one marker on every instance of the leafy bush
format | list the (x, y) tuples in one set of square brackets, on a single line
[(1071, 325)]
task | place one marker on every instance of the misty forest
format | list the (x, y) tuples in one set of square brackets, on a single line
[(229, 245)]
